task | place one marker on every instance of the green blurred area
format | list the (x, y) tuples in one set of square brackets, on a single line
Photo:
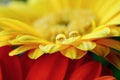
[(116, 72), (7, 1)]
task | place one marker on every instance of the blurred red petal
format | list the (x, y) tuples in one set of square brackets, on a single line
[(0, 73), (106, 78), (11, 68), (73, 65), (26, 64), (49, 67), (86, 71), (106, 71)]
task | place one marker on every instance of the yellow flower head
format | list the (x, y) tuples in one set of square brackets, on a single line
[(71, 27)]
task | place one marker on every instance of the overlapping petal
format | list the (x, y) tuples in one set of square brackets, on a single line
[(47, 66), (10, 66), (82, 72)]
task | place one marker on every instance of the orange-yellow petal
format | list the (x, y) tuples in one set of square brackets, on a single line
[(73, 53), (110, 43), (101, 50), (114, 58), (86, 45)]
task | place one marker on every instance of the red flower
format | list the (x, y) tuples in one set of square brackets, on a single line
[(50, 67)]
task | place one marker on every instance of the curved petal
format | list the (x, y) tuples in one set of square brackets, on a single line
[(36, 53), (11, 68), (21, 49), (101, 50), (105, 78), (76, 63), (73, 53), (26, 64), (110, 43), (87, 71), (99, 32), (115, 20), (6, 12), (111, 13), (114, 58), (86, 45), (0, 73), (115, 31), (49, 67), (16, 25)]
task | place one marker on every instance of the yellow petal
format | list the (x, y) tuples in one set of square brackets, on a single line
[(65, 4), (114, 58), (34, 54), (111, 12), (86, 45), (115, 20), (73, 53), (6, 12), (23, 9), (70, 40), (3, 43), (101, 33), (27, 39), (21, 49), (75, 4), (17, 26), (51, 48), (7, 35), (30, 39), (114, 31), (40, 7), (110, 43), (101, 50), (56, 4), (5, 38)]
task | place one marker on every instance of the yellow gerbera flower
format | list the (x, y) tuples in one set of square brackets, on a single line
[(70, 27)]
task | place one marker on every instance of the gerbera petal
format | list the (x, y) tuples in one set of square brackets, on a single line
[(106, 78), (73, 53), (0, 73), (76, 4), (111, 12), (26, 64), (27, 39), (114, 31), (21, 49), (13, 25), (86, 45), (11, 68), (101, 50), (71, 40), (3, 43), (34, 54), (6, 12), (6, 35), (114, 58), (83, 72), (99, 32), (115, 20), (110, 43), (24, 10), (45, 68), (37, 7), (56, 4), (51, 48)]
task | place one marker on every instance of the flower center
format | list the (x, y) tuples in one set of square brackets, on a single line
[(65, 24)]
